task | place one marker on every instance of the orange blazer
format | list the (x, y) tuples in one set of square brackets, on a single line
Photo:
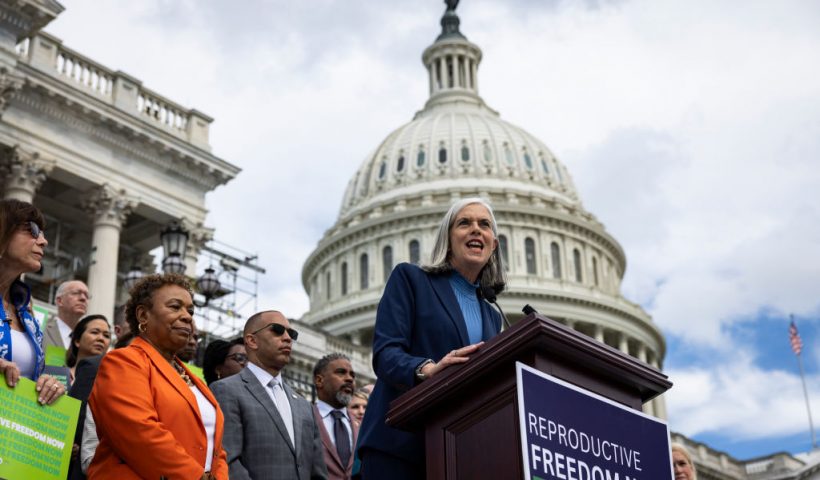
[(148, 420)]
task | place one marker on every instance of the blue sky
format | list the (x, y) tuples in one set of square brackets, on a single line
[(691, 129)]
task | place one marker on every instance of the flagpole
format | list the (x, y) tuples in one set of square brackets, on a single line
[(803, 378), (808, 407)]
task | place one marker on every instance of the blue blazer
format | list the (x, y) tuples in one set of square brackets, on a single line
[(418, 318)]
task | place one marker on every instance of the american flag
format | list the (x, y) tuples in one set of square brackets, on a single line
[(794, 338)]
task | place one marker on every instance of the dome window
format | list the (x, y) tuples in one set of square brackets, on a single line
[(576, 258), (421, 157), (556, 260), (527, 160), (508, 155), (505, 253), (442, 154), (364, 278), (544, 166), (558, 174), (344, 278), (465, 152), (387, 261), (327, 285), (400, 164), (595, 271), (414, 252), (382, 170), (488, 154), (529, 252)]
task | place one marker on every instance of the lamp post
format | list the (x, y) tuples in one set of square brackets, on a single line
[(132, 277), (174, 240), (208, 284)]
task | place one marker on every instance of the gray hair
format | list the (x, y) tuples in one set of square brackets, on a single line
[(61, 290), (492, 275)]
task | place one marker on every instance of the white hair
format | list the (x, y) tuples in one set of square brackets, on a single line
[(492, 275)]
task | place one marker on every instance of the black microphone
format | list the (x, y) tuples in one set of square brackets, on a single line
[(488, 294), (528, 309)]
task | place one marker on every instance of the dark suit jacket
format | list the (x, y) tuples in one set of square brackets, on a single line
[(84, 377), (418, 318), (335, 469), (256, 440)]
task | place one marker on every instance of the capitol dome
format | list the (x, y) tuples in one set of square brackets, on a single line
[(559, 257)]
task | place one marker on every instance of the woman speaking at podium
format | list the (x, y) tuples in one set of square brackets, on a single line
[(429, 318)]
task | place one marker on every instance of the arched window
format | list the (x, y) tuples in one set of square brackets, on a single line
[(527, 161), (576, 258), (344, 278), (529, 253), (327, 285), (488, 153), (465, 153), (505, 254), (387, 261), (364, 279), (414, 252), (400, 163), (508, 155), (421, 158), (382, 169), (442, 155), (544, 166), (556, 260), (595, 270)]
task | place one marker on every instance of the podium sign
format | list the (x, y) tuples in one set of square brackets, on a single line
[(569, 433)]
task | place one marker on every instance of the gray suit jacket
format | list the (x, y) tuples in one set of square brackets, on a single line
[(51, 336), (255, 439)]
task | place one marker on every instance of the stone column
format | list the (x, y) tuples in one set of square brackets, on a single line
[(108, 207), (198, 236), (623, 345), (23, 173), (599, 333)]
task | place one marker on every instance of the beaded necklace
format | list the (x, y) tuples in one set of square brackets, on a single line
[(183, 374)]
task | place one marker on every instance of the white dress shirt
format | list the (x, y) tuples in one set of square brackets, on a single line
[(265, 379), (325, 412), (65, 332)]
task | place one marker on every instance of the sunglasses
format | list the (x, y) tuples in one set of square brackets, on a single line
[(34, 229), (278, 329), (238, 357)]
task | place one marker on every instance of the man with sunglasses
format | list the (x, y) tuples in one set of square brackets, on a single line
[(270, 431), (72, 304)]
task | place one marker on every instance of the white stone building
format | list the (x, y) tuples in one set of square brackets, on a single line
[(560, 258), (108, 161)]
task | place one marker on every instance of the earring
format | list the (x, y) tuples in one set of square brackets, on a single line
[(142, 327)]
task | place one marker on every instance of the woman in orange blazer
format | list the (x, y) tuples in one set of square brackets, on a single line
[(155, 419)]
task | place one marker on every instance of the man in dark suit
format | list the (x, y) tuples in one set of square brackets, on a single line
[(270, 431), (333, 378)]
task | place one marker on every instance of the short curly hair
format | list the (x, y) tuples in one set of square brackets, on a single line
[(143, 293)]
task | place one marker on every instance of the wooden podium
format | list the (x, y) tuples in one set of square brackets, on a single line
[(469, 413)]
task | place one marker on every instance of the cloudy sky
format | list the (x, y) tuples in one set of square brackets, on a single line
[(692, 129)]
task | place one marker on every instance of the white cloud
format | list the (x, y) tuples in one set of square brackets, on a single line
[(692, 130), (739, 400)]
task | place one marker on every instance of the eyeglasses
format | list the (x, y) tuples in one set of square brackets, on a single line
[(79, 293), (278, 329), (238, 357), (34, 229)]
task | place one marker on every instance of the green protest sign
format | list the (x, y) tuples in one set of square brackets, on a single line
[(35, 440), (55, 356)]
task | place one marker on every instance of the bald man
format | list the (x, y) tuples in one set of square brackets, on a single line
[(270, 431)]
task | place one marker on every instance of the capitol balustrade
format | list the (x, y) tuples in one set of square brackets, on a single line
[(47, 54)]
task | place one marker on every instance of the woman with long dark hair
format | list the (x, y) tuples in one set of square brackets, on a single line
[(22, 245)]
